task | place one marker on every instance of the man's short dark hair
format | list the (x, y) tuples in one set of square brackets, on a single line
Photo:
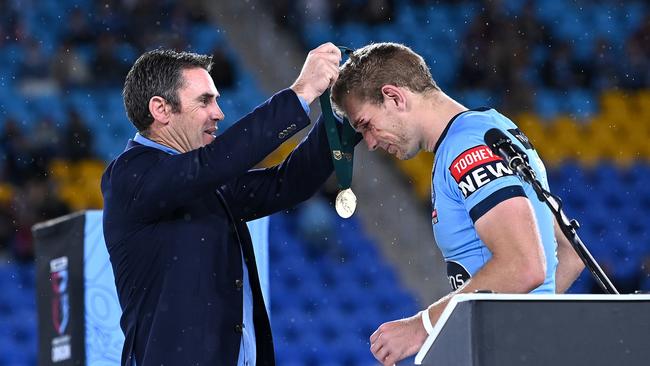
[(158, 73), (371, 67)]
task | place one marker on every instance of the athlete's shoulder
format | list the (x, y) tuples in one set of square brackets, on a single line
[(466, 131), (474, 123), (467, 159)]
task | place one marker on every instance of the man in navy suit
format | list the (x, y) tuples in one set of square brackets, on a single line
[(177, 201)]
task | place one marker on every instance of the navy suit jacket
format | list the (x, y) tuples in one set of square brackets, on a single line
[(174, 226)]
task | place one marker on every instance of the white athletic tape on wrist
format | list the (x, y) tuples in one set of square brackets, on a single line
[(426, 321)]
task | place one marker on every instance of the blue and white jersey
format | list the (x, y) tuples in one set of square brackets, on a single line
[(468, 180)]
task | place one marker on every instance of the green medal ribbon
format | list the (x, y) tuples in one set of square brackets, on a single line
[(341, 145)]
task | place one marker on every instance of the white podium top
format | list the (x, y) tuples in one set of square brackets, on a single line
[(508, 297)]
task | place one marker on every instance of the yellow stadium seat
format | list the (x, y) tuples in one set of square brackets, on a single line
[(89, 179), (551, 154), (60, 169), (615, 103), (607, 139), (589, 155), (641, 108), (642, 99), (643, 147), (71, 194), (534, 129), (567, 133), (79, 183), (6, 193)]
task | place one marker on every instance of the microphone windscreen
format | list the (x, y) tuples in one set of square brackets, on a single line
[(493, 138)]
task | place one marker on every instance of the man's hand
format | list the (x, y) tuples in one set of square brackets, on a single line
[(396, 340), (320, 70)]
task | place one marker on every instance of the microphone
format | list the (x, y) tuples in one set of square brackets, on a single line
[(514, 157)]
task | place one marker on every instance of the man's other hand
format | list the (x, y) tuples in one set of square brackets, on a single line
[(320, 70)]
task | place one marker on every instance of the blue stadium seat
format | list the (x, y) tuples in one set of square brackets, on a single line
[(514, 7), (634, 12), (205, 37), (312, 350), (475, 98), (582, 104), (107, 147), (84, 102), (127, 53), (8, 275), (548, 103), (353, 349), (438, 17), (405, 16), (27, 275), (49, 106), (316, 33), (86, 52), (548, 10), (18, 109)]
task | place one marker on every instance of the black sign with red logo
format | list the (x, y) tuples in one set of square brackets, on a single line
[(60, 290)]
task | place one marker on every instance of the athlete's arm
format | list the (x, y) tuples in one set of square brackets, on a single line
[(569, 264), (518, 265)]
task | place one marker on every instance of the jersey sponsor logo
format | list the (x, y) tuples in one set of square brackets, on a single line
[(476, 167), (457, 275)]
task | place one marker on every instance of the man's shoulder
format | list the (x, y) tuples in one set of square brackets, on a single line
[(137, 154), (136, 157)]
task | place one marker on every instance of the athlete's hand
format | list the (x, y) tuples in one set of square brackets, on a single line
[(396, 340)]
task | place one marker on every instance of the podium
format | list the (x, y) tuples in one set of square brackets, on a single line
[(540, 330)]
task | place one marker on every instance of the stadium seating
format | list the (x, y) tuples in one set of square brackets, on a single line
[(18, 338), (324, 307), (326, 302)]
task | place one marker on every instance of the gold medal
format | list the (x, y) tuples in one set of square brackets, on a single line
[(346, 203)]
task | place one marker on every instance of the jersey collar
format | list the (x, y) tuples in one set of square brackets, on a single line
[(444, 132)]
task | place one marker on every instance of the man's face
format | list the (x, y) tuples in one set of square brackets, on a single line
[(382, 126), (196, 122)]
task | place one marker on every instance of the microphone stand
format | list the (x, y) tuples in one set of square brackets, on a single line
[(567, 226)]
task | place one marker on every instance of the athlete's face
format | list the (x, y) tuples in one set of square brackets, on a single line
[(383, 126)]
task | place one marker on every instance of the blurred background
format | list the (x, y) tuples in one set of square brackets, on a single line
[(575, 76)]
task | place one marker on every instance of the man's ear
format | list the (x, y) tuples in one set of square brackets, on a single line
[(394, 96), (159, 109)]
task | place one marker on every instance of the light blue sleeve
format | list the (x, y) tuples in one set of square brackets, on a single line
[(304, 104), (475, 176)]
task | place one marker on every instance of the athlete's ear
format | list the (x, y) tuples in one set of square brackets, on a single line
[(394, 96)]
